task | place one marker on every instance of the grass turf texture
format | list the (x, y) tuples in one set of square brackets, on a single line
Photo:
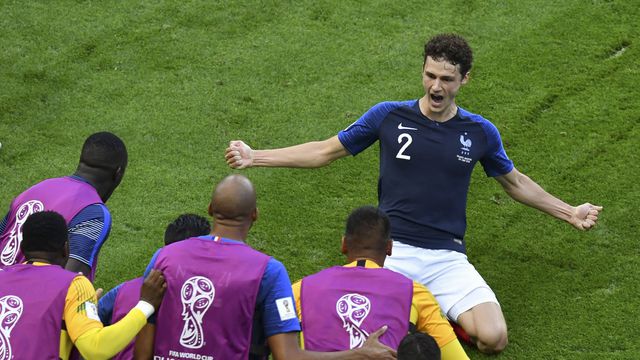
[(177, 81)]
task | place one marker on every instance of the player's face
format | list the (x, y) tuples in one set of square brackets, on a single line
[(441, 81)]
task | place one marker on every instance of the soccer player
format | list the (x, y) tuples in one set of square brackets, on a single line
[(116, 303), (79, 198), (428, 148), (45, 310), (419, 346), (227, 301), (340, 305)]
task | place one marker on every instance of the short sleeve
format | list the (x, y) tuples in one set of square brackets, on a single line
[(105, 305), (80, 310), (88, 230), (276, 302), (3, 223), (495, 161), (364, 131)]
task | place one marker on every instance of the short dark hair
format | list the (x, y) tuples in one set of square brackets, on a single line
[(186, 226), (104, 150), (418, 346), (44, 231), (452, 48), (367, 228)]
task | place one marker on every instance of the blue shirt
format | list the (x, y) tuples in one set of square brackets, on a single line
[(275, 284), (106, 303), (425, 168)]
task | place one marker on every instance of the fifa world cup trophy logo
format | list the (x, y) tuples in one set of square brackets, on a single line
[(353, 309), (10, 251), (10, 312), (197, 296)]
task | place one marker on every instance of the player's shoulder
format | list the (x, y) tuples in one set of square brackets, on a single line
[(389, 106), (489, 128)]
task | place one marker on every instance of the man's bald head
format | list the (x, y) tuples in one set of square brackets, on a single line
[(234, 199)]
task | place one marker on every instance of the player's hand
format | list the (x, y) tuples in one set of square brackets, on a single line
[(153, 288), (239, 155), (585, 216), (373, 349)]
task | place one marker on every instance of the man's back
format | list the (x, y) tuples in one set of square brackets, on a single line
[(209, 306), (341, 306), (31, 317), (65, 195)]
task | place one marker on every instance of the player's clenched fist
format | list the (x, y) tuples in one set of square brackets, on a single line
[(153, 288), (239, 155), (585, 216)]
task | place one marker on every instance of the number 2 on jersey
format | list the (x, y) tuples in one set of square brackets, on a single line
[(404, 147)]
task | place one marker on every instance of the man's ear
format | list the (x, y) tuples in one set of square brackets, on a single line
[(389, 247), (343, 246), (118, 175), (465, 78), (254, 216), (65, 252), (210, 209)]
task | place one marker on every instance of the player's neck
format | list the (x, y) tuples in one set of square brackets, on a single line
[(379, 260), (45, 258), (230, 232)]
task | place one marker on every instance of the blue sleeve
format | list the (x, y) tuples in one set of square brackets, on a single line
[(88, 231), (152, 263), (105, 305), (3, 223), (275, 289), (495, 161), (364, 131)]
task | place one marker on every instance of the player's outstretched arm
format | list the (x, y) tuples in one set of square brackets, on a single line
[(522, 189), (285, 346), (308, 155)]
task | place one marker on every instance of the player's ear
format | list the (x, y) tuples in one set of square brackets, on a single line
[(210, 209), (343, 246), (254, 215), (465, 78), (65, 251), (389, 247)]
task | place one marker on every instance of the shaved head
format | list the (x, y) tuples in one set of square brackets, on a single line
[(234, 199)]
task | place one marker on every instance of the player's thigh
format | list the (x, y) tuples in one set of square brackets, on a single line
[(447, 274), (484, 318)]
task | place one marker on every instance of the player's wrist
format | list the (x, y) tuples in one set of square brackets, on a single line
[(146, 308)]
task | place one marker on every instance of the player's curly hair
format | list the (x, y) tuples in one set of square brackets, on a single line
[(186, 226), (452, 48)]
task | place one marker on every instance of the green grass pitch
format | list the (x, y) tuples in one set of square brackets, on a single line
[(178, 80)]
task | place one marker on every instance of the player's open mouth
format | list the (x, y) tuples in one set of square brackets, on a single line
[(437, 98)]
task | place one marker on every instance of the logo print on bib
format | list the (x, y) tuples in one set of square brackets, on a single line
[(10, 312), (197, 296), (353, 309), (10, 251)]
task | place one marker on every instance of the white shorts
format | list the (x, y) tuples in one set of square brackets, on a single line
[(452, 280)]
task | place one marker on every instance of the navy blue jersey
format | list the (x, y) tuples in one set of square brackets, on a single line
[(425, 168)]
